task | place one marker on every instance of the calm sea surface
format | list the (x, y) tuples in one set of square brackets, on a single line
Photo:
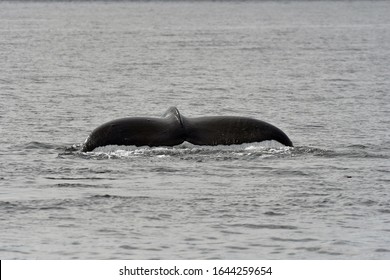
[(317, 70)]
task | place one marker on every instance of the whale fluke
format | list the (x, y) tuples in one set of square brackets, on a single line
[(173, 129)]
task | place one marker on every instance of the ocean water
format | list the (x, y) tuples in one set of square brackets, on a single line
[(319, 70)]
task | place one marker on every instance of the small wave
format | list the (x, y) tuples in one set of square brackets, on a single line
[(319, 250), (272, 213), (382, 250), (7, 205), (352, 151), (76, 178), (264, 226), (304, 150), (109, 196), (293, 239), (79, 186), (28, 206), (38, 145)]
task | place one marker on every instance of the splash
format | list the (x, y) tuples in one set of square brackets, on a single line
[(267, 149)]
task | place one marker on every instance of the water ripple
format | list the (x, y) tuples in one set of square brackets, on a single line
[(264, 226)]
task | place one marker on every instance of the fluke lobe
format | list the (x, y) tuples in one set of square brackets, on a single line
[(173, 129)]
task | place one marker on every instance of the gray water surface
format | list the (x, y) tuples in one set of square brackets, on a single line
[(318, 70)]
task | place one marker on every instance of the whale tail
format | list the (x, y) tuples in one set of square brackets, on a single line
[(173, 129), (231, 130)]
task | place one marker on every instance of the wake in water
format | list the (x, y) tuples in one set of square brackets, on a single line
[(265, 149), (187, 151)]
